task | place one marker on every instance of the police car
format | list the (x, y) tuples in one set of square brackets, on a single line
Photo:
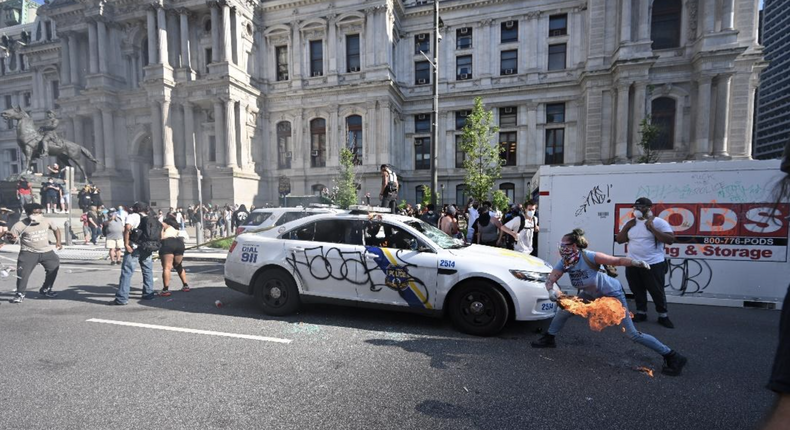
[(373, 259)]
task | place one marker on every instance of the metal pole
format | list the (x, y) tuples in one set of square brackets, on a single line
[(69, 182), (199, 232), (435, 119)]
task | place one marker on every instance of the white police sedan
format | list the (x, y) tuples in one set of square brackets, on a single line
[(382, 260)]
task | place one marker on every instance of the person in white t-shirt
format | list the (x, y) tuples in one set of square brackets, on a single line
[(646, 236)]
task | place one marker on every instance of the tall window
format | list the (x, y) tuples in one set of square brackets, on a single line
[(460, 155), (55, 93), (463, 38), (663, 116), (509, 31), (460, 195), (318, 142), (316, 58), (422, 73), (422, 43), (11, 159), (507, 135), (555, 112), (22, 62), (463, 67), (555, 138), (352, 53), (422, 153), (26, 99), (209, 54), (48, 29), (509, 189), (665, 24), (284, 151), (422, 123), (558, 25), (281, 52), (419, 194), (354, 137), (508, 62), (557, 56), (212, 149), (460, 118)]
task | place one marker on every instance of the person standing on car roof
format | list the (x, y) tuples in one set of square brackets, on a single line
[(646, 236), (389, 188)]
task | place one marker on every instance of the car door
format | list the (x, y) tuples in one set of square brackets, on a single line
[(400, 268), (326, 255)]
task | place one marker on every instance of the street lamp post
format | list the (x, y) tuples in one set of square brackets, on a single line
[(435, 116)]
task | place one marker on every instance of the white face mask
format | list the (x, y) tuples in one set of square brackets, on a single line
[(36, 218), (638, 214), (530, 214)]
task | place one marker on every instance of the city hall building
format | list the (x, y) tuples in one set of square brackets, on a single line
[(263, 94)]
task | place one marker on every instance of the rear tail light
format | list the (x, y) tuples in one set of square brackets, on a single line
[(232, 247), (239, 230)]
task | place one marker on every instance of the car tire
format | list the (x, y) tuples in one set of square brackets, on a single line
[(276, 293), (478, 308)]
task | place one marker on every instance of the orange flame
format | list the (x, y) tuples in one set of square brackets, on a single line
[(646, 370), (601, 313)]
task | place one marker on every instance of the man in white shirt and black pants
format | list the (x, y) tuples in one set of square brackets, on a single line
[(646, 236)]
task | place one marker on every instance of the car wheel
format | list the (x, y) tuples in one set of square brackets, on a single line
[(276, 293), (478, 308)]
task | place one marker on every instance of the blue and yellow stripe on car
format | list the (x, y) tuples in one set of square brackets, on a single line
[(389, 265)]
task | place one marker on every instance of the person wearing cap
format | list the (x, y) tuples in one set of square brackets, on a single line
[(113, 233), (646, 236)]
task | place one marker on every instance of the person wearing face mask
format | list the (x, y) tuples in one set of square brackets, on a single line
[(583, 268), (646, 236), (33, 235)]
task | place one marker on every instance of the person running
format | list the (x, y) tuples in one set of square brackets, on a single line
[(583, 268), (33, 235), (646, 236), (172, 255), (113, 232), (135, 234)]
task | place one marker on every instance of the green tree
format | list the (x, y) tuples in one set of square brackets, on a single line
[(650, 133), (482, 162), (347, 188), (500, 201), (426, 196)]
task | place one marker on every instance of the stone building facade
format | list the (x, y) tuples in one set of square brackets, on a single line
[(263, 93), (772, 127)]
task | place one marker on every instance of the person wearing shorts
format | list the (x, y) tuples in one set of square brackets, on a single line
[(113, 232), (172, 255)]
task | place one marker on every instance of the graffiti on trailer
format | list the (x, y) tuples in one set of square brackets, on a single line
[(598, 195), (323, 263), (688, 276), (735, 192)]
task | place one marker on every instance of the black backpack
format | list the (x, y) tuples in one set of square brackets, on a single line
[(148, 234)]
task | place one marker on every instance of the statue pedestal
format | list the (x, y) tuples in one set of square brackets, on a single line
[(164, 186), (116, 187)]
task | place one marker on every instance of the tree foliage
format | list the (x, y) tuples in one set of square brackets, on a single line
[(482, 162), (500, 201), (347, 188), (650, 133), (426, 196)]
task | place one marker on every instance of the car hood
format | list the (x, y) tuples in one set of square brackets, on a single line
[(503, 257)]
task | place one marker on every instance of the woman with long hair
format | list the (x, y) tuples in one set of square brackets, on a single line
[(583, 268)]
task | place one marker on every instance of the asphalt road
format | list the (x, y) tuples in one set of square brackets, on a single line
[(348, 368)]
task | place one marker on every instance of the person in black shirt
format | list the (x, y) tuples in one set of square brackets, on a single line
[(239, 216), (430, 216)]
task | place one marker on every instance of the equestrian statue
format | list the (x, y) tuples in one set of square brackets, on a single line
[(37, 143)]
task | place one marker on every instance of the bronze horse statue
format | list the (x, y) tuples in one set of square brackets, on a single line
[(29, 139)]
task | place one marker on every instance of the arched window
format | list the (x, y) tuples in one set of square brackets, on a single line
[(354, 137), (460, 195), (318, 142), (665, 24), (284, 151), (510, 190), (663, 115)]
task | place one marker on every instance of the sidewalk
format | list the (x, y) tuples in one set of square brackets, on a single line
[(98, 253)]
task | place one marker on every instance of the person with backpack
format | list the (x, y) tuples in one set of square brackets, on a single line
[(584, 269), (389, 188), (141, 237), (239, 217)]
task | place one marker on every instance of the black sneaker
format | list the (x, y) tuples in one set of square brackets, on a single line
[(116, 303), (673, 363), (545, 341), (48, 294), (664, 321), (639, 317)]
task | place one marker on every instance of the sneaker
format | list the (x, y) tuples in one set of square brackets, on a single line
[(112, 262), (664, 321), (164, 293), (545, 341), (639, 317), (18, 298), (673, 363), (185, 289), (116, 303), (148, 296), (48, 293)]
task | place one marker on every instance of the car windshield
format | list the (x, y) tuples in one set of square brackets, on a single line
[(436, 236), (257, 218)]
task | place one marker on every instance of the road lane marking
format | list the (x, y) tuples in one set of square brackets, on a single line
[(189, 330)]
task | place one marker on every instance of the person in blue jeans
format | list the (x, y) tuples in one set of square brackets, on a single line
[(583, 267), (132, 255)]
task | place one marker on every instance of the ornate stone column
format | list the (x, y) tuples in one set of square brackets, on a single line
[(156, 133), (73, 62), (625, 21), (98, 138), (640, 95), (219, 132), (161, 20), (184, 27), (102, 45), (151, 36), (168, 152), (214, 33), (65, 58), (727, 14), (720, 134), (189, 134), (230, 133), (109, 138), (93, 48), (226, 27), (702, 129), (621, 145)]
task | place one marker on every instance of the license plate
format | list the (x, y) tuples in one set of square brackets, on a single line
[(547, 306)]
